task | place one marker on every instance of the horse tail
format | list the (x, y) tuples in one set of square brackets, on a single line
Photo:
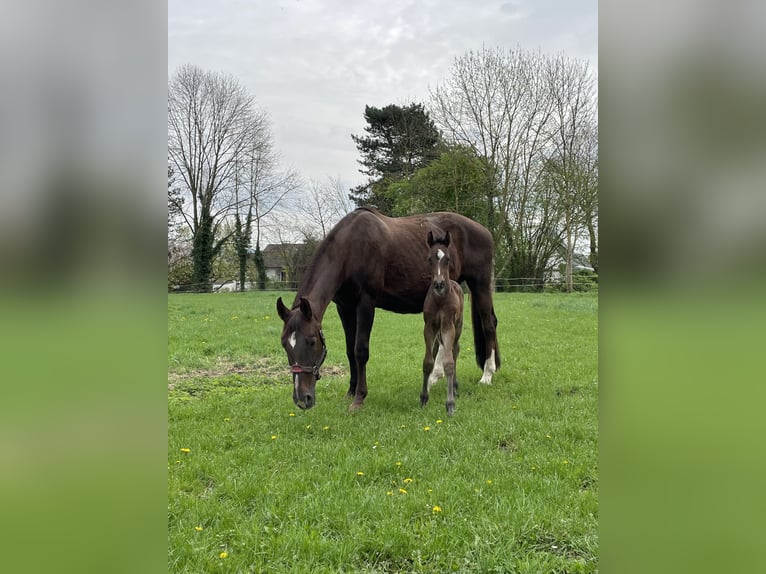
[(479, 342), (479, 339)]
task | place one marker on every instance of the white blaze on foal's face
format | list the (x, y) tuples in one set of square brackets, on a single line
[(292, 340), (439, 256)]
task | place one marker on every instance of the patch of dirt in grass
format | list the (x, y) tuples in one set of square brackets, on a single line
[(506, 444), (264, 368)]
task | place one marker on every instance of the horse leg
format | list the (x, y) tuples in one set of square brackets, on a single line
[(447, 340), (348, 320), (365, 316), (438, 369), (428, 363), (484, 329), (456, 347)]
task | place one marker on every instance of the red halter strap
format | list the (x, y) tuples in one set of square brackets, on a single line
[(313, 369)]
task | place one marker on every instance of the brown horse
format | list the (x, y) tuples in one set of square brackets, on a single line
[(369, 260), (443, 318)]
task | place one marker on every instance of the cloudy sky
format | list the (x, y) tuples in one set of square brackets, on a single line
[(313, 65)]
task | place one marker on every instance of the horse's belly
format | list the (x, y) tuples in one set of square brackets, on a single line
[(399, 304)]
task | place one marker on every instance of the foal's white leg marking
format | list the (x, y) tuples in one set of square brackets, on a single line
[(438, 371), (291, 340), (489, 369)]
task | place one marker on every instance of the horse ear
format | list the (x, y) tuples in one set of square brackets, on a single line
[(430, 238), (283, 311), (446, 240), (306, 308)]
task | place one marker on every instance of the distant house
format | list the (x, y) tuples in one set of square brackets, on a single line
[(580, 262), (286, 262)]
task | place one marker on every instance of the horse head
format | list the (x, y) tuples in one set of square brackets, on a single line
[(303, 341), (438, 262)]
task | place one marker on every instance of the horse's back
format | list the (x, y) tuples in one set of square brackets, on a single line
[(386, 256)]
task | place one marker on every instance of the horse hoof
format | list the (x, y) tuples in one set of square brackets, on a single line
[(353, 407)]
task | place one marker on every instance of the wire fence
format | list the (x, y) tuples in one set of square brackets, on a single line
[(502, 285)]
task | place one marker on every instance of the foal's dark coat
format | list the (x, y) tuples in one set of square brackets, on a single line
[(369, 260), (443, 322)]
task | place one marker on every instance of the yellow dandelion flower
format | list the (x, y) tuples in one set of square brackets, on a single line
[(360, 473), (292, 414), (198, 528), (186, 450), (398, 463), (308, 427), (426, 428), (407, 480), (389, 493), (402, 491), (436, 509), (439, 421), (223, 555), (430, 490), (325, 428), (489, 482), (273, 437), (565, 462)]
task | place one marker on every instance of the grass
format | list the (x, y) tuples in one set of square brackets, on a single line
[(509, 484)]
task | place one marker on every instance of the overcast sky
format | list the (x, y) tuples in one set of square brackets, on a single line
[(313, 65)]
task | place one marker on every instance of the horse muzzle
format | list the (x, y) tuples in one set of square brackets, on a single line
[(304, 385), (304, 402)]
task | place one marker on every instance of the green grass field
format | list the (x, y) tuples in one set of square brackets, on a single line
[(509, 484)]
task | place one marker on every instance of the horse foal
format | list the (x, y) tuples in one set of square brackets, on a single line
[(443, 318)]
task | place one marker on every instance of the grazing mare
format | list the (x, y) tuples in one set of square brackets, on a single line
[(368, 261), (443, 318)]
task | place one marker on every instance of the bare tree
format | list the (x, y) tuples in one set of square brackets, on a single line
[(505, 105), (210, 125), (574, 150), (325, 203), (260, 188), (496, 102)]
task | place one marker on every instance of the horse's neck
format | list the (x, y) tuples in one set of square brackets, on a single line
[(320, 286)]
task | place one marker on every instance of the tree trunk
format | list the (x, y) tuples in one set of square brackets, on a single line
[(593, 247), (242, 255), (570, 253), (202, 256), (260, 268)]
